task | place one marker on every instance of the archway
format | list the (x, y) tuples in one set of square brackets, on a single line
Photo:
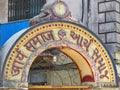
[(53, 68), (74, 40)]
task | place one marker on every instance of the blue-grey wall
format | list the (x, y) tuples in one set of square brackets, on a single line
[(8, 29)]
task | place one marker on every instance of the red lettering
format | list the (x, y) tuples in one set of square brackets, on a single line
[(101, 65), (104, 75), (20, 55), (101, 68), (47, 36), (32, 44), (29, 46), (16, 68), (96, 55), (81, 41), (77, 37), (35, 41), (87, 44)]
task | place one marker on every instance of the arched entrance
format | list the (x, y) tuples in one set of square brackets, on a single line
[(93, 61), (53, 68)]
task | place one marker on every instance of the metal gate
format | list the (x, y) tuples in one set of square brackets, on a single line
[(23, 9)]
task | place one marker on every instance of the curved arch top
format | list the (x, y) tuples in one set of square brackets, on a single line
[(60, 34)]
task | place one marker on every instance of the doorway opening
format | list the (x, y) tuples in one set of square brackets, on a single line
[(54, 68)]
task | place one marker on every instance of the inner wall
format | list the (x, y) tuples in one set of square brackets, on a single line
[(54, 68)]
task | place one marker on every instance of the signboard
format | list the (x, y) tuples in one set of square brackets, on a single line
[(80, 44)]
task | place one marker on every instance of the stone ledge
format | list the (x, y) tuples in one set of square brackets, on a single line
[(102, 37), (109, 17), (109, 27), (113, 49), (109, 6), (113, 37), (113, 0), (102, 1), (112, 16), (101, 17)]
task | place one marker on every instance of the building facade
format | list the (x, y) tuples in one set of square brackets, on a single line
[(102, 17)]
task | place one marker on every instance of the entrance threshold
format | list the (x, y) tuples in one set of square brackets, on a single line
[(57, 87)]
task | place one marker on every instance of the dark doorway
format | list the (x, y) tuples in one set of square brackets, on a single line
[(53, 68)]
